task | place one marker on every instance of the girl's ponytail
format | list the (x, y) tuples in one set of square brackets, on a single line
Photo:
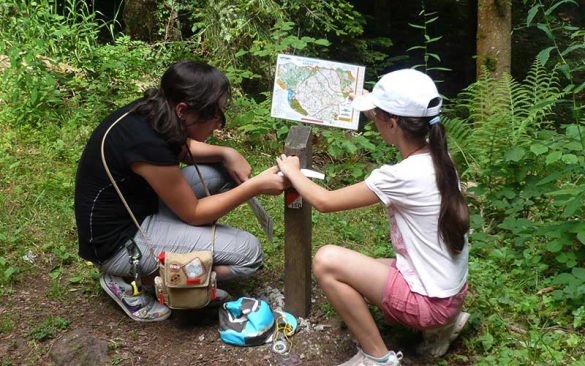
[(454, 214)]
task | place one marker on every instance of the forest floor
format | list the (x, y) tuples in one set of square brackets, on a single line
[(186, 338)]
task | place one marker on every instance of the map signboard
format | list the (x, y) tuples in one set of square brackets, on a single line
[(316, 91)]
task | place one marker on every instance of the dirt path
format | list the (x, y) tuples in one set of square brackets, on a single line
[(187, 338)]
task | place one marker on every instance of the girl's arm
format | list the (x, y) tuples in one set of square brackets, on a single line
[(236, 165), (171, 186), (354, 196)]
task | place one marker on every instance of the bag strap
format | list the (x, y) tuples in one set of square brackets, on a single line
[(214, 225), (115, 185)]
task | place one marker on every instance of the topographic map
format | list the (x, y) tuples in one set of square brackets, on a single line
[(316, 91)]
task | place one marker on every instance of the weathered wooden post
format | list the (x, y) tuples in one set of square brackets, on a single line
[(297, 231)]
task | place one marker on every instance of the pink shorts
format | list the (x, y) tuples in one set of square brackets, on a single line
[(402, 306)]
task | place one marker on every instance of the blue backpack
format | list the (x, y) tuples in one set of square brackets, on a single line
[(246, 322)]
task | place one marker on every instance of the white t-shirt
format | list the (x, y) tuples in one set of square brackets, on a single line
[(410, 194)]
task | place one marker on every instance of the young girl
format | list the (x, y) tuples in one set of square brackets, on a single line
[(144, 150), (425, 285)]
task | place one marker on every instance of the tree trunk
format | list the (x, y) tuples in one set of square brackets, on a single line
[(142, 22), (494, 37), (140, 19)]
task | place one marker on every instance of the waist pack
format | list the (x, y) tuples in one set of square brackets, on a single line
[(185, 280)]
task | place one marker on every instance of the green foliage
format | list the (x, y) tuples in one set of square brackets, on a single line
[(6, 270), (6, 324), (351, 156), (566, 52), (41, 28), (253, 120), (33, 80), (328, 310), (225, 28), (521, 148), (518, 325), (222, 28), (529, 174), (428, 56), (324, 17), (504, 116), (252, 117), (261, 53), (526, 182), (251, 33), (49, 328)]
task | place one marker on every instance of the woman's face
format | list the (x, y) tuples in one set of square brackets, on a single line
[(198, 129)]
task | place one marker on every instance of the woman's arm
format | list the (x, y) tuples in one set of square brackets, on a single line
[(236, 165), (171, 186), (354, 196)]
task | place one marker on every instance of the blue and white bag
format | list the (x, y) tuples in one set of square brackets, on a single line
[(246, 322)]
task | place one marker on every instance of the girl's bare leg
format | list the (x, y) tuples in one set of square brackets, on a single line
[(346, 277)]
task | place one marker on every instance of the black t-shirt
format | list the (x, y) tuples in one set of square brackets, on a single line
[(103, 223)]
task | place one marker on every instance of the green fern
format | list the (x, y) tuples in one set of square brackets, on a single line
[(541, 93), (503, 113)]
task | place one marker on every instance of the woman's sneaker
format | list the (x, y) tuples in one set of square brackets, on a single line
[(436, 341), (142, 308)]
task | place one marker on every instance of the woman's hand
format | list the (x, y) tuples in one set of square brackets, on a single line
[(288, 163), (236, 165), (269, 182)]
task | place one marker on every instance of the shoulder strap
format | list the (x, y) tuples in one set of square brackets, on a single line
[(115, 185), (214, 225)]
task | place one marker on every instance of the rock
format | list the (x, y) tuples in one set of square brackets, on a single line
[(79, 348), (304, 324), (273, 296), (321, 327), (29, 256)]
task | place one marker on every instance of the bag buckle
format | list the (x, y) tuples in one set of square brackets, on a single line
[(134, 255)]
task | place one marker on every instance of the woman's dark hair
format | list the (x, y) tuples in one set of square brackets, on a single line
[(199, 85), (453, 214)]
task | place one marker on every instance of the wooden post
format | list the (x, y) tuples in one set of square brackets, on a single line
[(297, 231)]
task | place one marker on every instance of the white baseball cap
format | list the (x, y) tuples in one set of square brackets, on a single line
[(405, 93)]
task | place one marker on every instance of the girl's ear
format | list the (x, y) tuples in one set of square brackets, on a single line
[(180, 109)]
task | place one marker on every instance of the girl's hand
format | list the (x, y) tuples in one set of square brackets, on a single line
[(352, 95), (371, 114), (288, 163), (236, 165), (269, 182)]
